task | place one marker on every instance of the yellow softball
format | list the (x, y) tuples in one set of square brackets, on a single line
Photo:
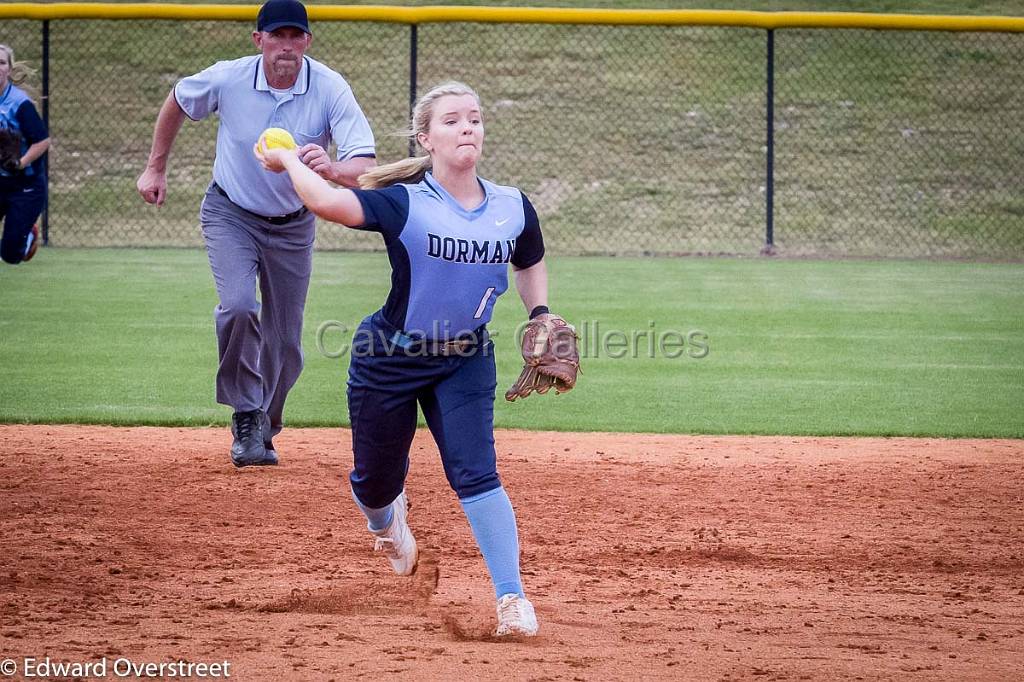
[(277, 138)]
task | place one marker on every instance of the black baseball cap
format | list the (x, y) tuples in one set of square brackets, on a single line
[(277, 14)]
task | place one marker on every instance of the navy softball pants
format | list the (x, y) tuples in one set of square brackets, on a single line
[(19, 209), (456, 393)]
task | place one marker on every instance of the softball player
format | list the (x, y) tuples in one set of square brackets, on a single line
[(449, 236), (22, 174)]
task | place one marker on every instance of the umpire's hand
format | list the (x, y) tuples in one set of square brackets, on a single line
[(152, 185), (318, 160)]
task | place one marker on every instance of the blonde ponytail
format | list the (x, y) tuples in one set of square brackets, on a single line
[(409, 171), (20, 72)]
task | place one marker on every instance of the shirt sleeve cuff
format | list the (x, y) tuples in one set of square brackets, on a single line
[(181, 106), (359, 152)]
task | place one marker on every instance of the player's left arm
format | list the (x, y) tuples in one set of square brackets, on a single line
[(528, 265), (532, 285), (551, 357), (35, 134), (550, 352)]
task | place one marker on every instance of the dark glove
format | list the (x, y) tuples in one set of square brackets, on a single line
[(10, 151)]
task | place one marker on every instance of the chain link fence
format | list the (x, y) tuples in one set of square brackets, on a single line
[(899, 144), (629, 139)]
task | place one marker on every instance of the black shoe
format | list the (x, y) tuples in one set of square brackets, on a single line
[(268, 442), (248, 448)]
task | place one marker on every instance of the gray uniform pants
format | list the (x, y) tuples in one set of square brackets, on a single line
[(260, 345)]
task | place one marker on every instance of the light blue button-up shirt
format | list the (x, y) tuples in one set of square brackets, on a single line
[(318, 108)]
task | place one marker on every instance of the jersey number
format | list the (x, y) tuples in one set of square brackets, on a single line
[(483, 303)]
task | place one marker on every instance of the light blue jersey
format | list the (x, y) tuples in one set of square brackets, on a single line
[(19, 116), (449, 264), (318, 108)]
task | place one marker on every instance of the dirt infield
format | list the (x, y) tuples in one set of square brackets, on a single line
[(646, 556)]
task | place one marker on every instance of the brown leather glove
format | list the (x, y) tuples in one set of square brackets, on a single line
[(10, 151), (551, 355)]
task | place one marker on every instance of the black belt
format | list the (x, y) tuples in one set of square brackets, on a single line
[(273, 220), (430, 347), (464, 343)]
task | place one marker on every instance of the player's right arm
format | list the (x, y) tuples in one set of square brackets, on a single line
[(337, 204), (152, 184)]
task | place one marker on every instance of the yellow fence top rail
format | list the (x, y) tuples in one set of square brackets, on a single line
[(524, 15)]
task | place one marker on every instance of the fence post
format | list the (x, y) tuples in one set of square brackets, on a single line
[(769, 184), (412, 81), (46, 120)]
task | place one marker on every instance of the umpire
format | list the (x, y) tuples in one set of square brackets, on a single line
[(255, 227)]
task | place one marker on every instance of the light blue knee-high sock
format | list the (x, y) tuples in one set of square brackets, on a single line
[(376, 519), (493, 522)]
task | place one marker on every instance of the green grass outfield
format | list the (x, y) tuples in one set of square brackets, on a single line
[(796, 347)]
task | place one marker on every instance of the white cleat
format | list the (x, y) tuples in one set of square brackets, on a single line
[(516, 617), (396, 541)]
